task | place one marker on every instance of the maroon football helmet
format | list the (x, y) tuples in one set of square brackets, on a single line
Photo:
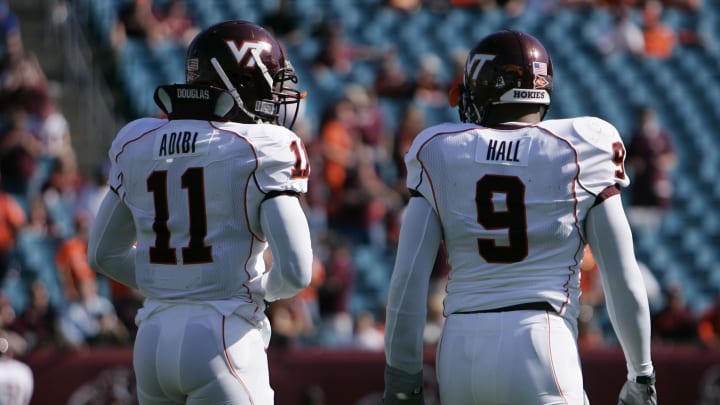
[(250, 63), (505, 67)]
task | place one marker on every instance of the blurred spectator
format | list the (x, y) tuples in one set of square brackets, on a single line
[(283, 22), (368, 121), (91, 320), (411, 123), (16, 378), (336, 136), (675, 323), (21, 157), (660, 39), (37, 324), (651, 155), (9, 26), (291, 323), (12, 219), (21, 75), (359, 203), (392, 78), (7, 318), (403, 5), (337, 53), (54, 129), (177, 24), (92, 191), (59, 195), (309, 299), (430, 90), (709, 326), (624, 36), (127, 301), (40, 225), (71, 260), (334, 296), (137, 19), (368, 334)]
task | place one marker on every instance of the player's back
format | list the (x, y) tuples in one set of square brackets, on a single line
[(512, 202), (194, 188)]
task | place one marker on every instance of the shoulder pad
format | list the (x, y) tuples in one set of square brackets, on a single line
[(188, 101), (595, 130)]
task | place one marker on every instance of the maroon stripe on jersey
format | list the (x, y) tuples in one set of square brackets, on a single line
[(247, 215), (120, 177), (417, 157), (247, 183), (230, 365), (607, 193), (135, 139), (581, 244)]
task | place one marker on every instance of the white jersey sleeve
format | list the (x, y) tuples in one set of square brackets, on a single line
[(600, 151)]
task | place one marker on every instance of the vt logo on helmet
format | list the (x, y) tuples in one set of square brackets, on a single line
[(250, 51)]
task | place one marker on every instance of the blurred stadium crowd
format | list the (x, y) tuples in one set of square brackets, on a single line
[(376, 73)]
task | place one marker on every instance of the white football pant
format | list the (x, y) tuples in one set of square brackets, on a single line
[(513, 358), (191, 354)]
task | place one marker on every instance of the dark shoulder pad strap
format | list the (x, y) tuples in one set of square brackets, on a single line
[(195, 102), (275, 193), (607, 193)]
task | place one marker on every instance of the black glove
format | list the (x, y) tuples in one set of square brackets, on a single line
[(639, 392), (402, 388)]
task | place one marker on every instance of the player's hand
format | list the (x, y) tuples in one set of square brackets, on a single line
[(402, 388), (639, 392)]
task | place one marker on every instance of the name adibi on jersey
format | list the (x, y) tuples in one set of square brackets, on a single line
[(176, 144), (510, 150)]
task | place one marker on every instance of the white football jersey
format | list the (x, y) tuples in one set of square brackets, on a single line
[(195, 188), (512, 203)]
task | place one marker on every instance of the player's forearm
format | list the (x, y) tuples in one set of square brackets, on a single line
[(626, 297), (288, 234), (110, 245), (406, 315)]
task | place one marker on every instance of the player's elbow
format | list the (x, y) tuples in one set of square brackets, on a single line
[(299, 273), (94, 257)]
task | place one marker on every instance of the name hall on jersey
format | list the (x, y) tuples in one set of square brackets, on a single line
[(503, 150), (177, 143)]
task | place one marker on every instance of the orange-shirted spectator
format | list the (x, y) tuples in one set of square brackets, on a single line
[(71, 260), (337, 140), (12, 219), (660, 39)]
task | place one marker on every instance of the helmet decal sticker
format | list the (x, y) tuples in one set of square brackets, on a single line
[(246, 49), (475, 63)]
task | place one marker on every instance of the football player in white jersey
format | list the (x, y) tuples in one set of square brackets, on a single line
[(202, 195), (515, 200)]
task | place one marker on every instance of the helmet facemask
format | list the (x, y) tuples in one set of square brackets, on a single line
[(280, 88)]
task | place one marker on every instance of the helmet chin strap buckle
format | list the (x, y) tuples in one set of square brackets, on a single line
[(265, 107)]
